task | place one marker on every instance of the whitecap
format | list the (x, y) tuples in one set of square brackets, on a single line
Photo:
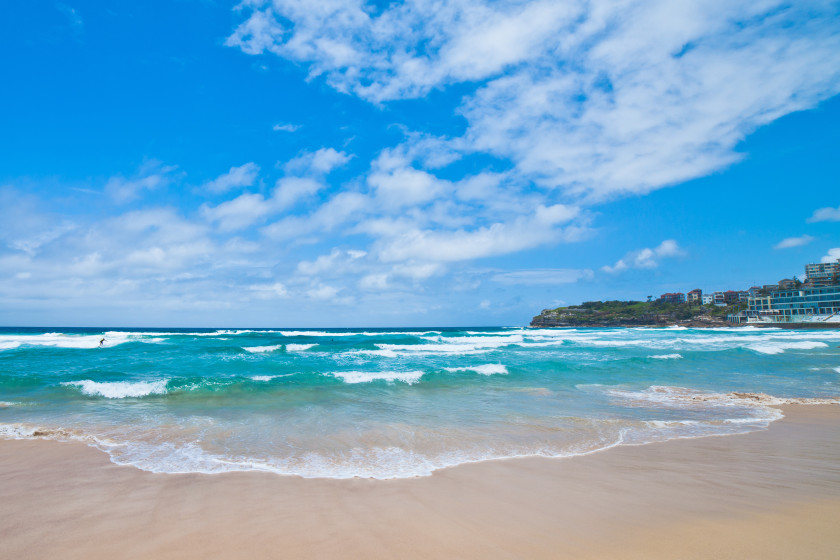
[(780, 347), (299, 347), (666, 356), (409, 377), (484, 369), (261, 349), (119, 389)]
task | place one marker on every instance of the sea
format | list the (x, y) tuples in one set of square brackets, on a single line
[(397, 403)]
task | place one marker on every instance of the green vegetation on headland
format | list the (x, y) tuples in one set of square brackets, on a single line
[(635, 314)]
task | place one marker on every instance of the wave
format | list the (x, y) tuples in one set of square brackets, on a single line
[(409, 377), (666, 356), (77, 341), (694, 398), (262, 349), (119, 389), (780, 347), (485, 369), (357, 333), (269, 377), (299, 347)]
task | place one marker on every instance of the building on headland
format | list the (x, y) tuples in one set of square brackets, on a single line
[(708, 299), (822, 274), (815, 301), (786, 284), (694, 296), (677, 297), (719, 299)]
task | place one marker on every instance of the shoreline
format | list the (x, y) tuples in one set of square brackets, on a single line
[(755, 493)]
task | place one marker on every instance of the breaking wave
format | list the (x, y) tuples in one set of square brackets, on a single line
[(119, 389)]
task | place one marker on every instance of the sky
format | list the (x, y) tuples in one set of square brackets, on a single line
[(342, 163)]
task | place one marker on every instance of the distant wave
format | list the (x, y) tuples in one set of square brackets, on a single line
[(780, 347), (484, 369), (666, 356), (119, 389), (262, 349)]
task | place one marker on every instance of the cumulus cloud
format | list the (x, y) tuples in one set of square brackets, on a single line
[(825, 215), (524, 232), (320, 162), (832, 256), (793, 242), (646, 258), (237, 177), (596, 99)]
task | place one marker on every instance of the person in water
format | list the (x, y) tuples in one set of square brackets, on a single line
[(101, 342)]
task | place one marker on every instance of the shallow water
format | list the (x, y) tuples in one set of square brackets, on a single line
[(396, 403)]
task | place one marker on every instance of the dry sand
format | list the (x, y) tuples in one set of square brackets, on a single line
[(769, 494)]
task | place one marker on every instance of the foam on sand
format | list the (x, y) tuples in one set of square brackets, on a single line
[(485, 369), (119, 389), (409, 377)]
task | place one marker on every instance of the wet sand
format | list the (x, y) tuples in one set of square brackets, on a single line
[(768, 494)]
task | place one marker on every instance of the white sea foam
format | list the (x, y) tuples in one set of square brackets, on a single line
[(119, 389), (409, 377), (265, 377), (381, 353), (683, 397), (299, 347), (780, 347), (262, 349), (59, 340), (837, 369), (484, 369), (5, 404), (666, 356)]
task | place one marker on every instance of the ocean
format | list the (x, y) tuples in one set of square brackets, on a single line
[(396, 403)]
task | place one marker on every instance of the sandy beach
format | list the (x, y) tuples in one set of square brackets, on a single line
[(768, 494)]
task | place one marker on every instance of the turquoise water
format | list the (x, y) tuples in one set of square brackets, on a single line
[(396, 403)]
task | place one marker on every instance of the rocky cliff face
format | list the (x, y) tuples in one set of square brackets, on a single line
[(579, 318)]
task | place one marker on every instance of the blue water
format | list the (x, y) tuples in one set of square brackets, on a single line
[(396, 403)]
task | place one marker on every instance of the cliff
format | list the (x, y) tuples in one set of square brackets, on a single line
[(633, 314)]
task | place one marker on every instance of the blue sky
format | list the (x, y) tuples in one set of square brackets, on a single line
[(342, 163)]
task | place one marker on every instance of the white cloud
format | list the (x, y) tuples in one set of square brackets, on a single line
[(793, 242), (238, 213), (290, 190), (286, 127), (320, 162), (646, 258), (151, 176), (323, 292), (825, 215), (523, 232), (238, 177), (597, 99), (269, 291), (832, 256)]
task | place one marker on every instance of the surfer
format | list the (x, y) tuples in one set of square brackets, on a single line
[(101, 342)]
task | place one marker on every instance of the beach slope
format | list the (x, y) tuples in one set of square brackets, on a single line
[(768, 494)]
